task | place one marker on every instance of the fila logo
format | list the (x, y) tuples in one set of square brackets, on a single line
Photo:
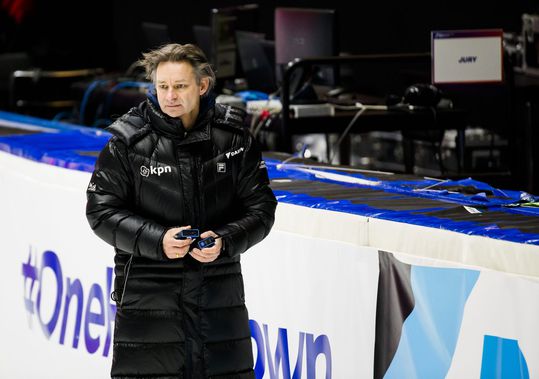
[(232, 153), (145, 171), (221, 167)]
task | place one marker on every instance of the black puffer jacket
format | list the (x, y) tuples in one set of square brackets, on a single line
[(180, 318)]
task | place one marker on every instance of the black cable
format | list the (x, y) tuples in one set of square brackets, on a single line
[(346, 130), (438, 144)]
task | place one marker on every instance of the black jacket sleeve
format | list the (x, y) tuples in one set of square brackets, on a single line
[(257, 201), (109, 206)]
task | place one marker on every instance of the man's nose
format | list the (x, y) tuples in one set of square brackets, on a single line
[(171, 94)]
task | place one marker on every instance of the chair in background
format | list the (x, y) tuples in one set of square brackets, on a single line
[(119, 98), (47, 94)]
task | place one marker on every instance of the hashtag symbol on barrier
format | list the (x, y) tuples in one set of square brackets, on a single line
[(29, 272)]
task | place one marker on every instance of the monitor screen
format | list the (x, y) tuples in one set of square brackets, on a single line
[(257, 57), (155, 34), (202, 35), (305, 33)]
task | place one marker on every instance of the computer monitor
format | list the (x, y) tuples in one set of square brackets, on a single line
[(306, 33), (257, 57), (224, 23), (202, 35), (155, 34)]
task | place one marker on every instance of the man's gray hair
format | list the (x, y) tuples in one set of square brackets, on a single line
[(174, 52)]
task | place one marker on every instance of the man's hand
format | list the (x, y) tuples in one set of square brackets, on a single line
[(174, 248), (209, 254)]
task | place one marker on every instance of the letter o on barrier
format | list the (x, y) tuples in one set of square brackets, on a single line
[(50, 260), (256, 333)]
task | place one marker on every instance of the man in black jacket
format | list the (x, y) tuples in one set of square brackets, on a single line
[(180, 162)]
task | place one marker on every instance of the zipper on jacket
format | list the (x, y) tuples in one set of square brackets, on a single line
[(180, 178), (188, 359), (197, 204), (127, 269)]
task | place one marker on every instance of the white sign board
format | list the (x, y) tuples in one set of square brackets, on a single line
[(467, 56)]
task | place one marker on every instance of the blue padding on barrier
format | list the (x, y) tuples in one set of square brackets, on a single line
[(73, 150), (419, 188), (298, 172), (76, 147), (465, 227), (64, 145), (32, 122)]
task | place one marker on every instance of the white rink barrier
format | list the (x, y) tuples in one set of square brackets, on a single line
[(312, 290)]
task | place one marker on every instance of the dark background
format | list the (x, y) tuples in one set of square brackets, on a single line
[(61, 35), (107, 33)]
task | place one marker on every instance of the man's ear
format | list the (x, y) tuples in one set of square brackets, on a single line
[(204, 85)]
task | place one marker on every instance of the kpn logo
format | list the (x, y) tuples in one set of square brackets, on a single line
[(62, 305), (152, 170)]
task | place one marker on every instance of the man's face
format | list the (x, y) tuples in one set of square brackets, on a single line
[(178, 93)]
